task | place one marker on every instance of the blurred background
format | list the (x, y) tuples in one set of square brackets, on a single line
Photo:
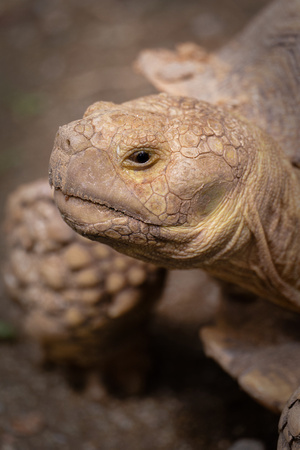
[(57, 57)]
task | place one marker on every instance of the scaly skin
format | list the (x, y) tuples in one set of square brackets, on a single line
[(183, 184), (289, 425)]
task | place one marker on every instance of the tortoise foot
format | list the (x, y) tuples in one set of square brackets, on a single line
[(289, 424)]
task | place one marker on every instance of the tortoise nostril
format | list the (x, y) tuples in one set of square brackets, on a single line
[(70, 141)]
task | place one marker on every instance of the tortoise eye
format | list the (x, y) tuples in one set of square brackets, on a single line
[(140, 157)]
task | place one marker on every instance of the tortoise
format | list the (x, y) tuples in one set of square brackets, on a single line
[(206, 175)]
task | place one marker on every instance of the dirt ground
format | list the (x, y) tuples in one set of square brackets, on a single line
[(57, 58)]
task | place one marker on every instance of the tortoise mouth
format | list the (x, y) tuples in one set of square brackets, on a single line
[(97, 220), (129, 235), (88, 211), (94, 209)]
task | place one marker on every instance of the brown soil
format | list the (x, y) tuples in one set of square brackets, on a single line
[(57, 58)]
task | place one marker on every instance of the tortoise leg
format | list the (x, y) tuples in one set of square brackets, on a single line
[(289, 424), (85, 304)]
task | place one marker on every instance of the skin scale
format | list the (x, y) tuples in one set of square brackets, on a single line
[(206, 176)]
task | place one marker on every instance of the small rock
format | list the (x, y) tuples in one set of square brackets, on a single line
[(247, 444), (28, 424), (95, 391), (8, 442)]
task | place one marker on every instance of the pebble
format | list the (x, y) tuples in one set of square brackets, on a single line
[(8, 442), (247, 444), (28, 424)]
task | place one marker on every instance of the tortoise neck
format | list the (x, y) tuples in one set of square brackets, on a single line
[(264, 256)]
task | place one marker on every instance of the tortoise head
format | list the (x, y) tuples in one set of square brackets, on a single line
[(161, 178)]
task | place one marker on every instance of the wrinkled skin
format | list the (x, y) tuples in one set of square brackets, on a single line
[(183, 184)]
